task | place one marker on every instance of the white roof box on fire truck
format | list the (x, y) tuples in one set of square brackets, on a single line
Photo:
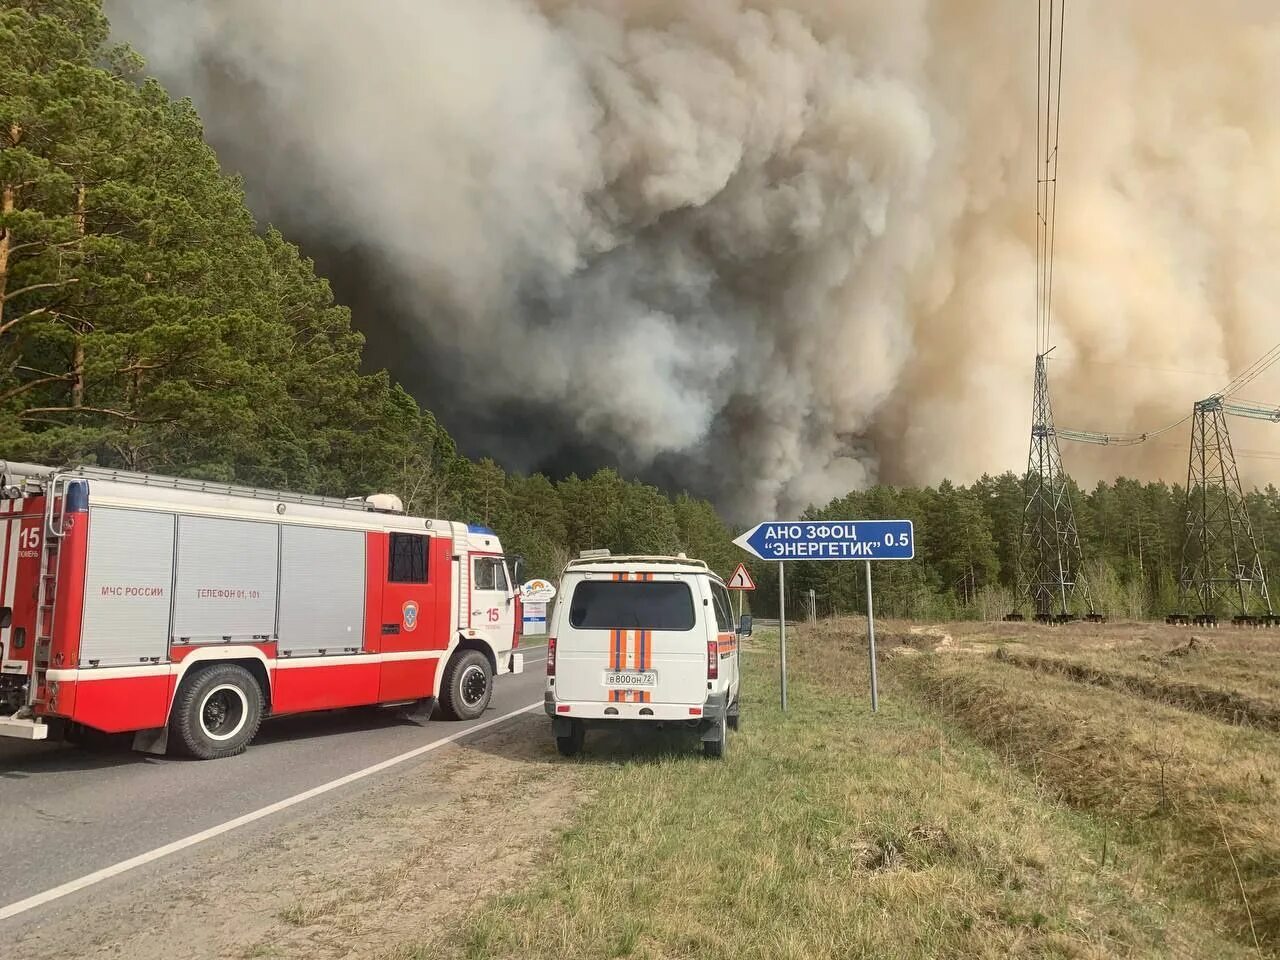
[(384, 503)]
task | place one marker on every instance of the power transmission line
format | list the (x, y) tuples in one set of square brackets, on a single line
[(1252, 372), (1048, 95), (1221, 564), (1051, 580), (1122, 439), (1241, 454), (1090, 362)]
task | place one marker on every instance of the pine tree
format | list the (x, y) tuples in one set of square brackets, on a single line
[(485, 496), (703, 535), (534, 526)]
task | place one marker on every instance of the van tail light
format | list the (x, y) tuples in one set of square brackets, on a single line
[(551, 656), (713, 659)]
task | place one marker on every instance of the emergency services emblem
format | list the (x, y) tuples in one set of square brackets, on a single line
[(410, 615)]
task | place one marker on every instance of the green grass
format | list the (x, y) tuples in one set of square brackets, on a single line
[(826, 833)]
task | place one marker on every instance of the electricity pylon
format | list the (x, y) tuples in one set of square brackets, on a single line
[(1050, 561), (1221, 566)]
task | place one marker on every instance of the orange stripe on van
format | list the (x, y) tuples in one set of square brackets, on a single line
[(615, 656), (627, 661), (640, 638), (631, 649)]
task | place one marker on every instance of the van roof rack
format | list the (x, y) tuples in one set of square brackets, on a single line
[(604, 556)]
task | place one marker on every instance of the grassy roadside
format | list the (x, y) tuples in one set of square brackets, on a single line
[(1198, 794), (1210, 695), (827, 833)]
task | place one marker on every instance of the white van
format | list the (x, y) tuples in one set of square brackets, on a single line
[(642, 640)]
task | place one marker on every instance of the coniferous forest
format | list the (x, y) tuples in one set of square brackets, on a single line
[(967, 549), (148, 322)]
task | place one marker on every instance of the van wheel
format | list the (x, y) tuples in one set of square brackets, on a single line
[(715, 748), (217, 712), (571, 745), (734, 712), (467, 687)]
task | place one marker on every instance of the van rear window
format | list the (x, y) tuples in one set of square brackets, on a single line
[(623, 605)]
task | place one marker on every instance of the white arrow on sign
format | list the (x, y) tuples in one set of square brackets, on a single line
[(741, 580)]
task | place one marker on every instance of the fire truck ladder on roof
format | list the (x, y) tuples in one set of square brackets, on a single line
[(215, 487)]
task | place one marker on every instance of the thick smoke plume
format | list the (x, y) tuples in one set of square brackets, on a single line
[(771, 250)]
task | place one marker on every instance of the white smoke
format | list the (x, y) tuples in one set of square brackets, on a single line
[(784, 247)]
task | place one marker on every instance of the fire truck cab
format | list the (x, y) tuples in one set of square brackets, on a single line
[(185, 612)]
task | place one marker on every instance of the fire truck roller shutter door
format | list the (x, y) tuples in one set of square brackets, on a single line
[(128, 581), (227, 579), (322, 590)]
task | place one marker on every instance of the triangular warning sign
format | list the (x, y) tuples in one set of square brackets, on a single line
[(741, 580)]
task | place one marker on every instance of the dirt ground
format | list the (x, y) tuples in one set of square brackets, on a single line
[(971, 636), (356, 878)]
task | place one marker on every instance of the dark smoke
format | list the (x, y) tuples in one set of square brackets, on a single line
[(765, 251)]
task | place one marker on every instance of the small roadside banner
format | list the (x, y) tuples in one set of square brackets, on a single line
[(537, 591), (535, 619)]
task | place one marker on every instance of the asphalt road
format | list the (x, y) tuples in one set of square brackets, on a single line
[(66, 812)]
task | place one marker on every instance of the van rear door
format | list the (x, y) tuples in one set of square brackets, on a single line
[(632, 638)]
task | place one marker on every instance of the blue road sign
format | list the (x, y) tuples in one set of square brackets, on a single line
[(831, 540)]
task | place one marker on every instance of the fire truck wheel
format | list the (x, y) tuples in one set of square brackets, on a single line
[(217, 712), (467, 687)]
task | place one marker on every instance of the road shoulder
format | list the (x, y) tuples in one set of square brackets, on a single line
[(351, 877)]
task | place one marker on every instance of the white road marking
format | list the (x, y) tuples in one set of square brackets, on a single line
[(89, 879)]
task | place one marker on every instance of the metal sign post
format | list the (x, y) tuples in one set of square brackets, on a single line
[(741, 582), (782, 630), (865, 540), (871, 643)]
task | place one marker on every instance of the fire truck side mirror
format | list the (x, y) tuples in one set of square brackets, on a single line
[(6, 617)]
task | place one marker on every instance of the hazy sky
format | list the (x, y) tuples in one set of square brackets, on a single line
[(768, 251)]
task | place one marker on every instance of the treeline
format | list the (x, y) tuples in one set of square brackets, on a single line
[(967, 550), (547, 523), (147, 323)]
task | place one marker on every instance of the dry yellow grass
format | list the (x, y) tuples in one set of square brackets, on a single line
[(1199, 793), (829, 833), (1209, 688)]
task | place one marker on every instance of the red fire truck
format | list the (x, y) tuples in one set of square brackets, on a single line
[(184, 612)]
